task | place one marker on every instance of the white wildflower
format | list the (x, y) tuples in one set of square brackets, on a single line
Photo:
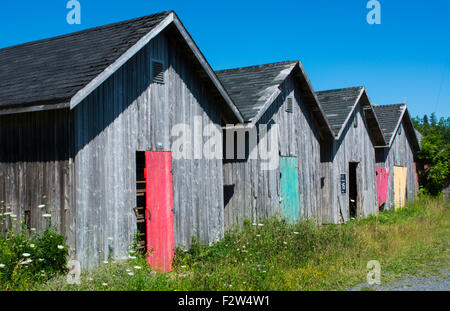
[(295, 232), (105, 284), (41, 205), (2, 265), (26, 255), (137, 267), (131, 257), (32, 245), (25, 262), (183, 267), (260, 225), (47, 215), (60, 246), (130, 273), (105, 262)]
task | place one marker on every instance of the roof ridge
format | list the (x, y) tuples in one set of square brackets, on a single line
[(261, 65), (164, 13), (341, 89), (390, 105)]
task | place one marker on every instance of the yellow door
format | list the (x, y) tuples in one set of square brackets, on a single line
[(399, 186)]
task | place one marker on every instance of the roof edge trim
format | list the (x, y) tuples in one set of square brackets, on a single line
[(24, 109), (338, 136), (212, 75), (397, 125), (109, 71), (171, 18)]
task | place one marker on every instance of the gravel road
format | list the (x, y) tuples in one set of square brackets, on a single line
[(438, 282)]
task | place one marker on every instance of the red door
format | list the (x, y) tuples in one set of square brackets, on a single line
[(382, 185), (159, 210)]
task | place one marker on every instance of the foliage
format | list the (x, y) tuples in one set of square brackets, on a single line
[(435, 152), (35, 258), (274, 255)]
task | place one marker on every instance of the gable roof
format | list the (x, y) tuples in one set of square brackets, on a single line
[(61, 71), (339, 105), (255, 88), (390, 117)]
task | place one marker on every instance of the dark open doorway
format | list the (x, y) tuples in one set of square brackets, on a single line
[(141, 198), (353, 189)]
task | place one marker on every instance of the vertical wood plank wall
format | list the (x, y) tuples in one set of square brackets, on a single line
[(36, 168), (129, 113), (355, 145), (400, 153), (256, 193)]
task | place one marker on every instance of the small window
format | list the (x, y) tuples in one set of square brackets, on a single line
[(157, 71), (400, 130), (289, 105), (355, 124)]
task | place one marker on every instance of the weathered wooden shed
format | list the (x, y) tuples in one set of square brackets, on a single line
[(275, 94), (397, 159), (79, 115), (348, 162)]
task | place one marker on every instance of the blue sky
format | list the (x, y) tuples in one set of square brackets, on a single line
[(406, 57)]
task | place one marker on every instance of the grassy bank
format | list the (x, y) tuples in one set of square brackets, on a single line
[(276, 256)]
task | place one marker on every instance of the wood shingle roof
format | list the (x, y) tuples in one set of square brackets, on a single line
[(251, 87), (338, 104), (53, 70), (390, 117), (255, 88)]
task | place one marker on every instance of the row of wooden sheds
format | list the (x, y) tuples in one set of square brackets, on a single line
[(88, 125)]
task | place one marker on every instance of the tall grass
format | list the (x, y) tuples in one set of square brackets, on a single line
[(273, 255)]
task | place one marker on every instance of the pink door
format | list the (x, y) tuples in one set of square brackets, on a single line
[(159, 210), (382, 185)]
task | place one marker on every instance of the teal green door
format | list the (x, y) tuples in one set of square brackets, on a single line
[(289, 189)]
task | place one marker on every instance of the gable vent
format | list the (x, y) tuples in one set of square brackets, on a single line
[(157, 71), (289, 105)]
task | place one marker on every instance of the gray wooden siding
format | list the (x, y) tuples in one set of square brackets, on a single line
[(400, 153), (129, 113), (355, 145), (36, 168), (255, 194)]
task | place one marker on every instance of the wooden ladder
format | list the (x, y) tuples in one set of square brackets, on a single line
[(141, 200)]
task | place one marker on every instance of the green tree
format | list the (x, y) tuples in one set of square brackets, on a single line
[(435, 152)]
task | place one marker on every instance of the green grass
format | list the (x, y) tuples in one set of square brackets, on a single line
[(279, 256)]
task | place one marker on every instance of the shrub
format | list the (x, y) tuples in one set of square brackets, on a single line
[(25, 259)]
